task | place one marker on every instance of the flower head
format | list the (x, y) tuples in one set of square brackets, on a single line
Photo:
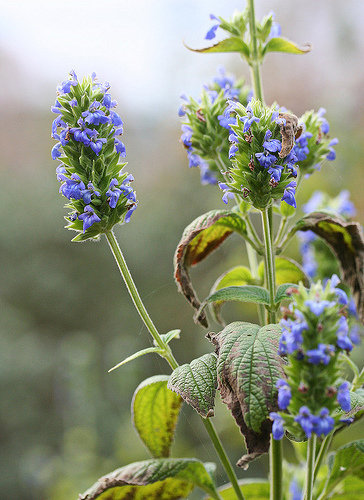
[(277, 428), (343, 396)]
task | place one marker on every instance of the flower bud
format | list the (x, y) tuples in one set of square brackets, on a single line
[(89, 150)]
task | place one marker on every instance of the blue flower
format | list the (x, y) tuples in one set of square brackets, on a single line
[(284, 394), (341, 295), (88, 217), (355, 334), (65, 87), (212, 31), (60, 171), (320, 355), (56, 153), (289, 194), (108, 102), (130, 212), (343, 396), (332, 153), (186, 136), (207, 176), (352, 308), (291, 338), (325, 127), (115, 191), (275, 172), (277, 428), (343, 340), (317, 306), (296, 492), (271, 145), (323, 423), (120, 148), (266, 159), (96, 144), (116, 119), (233, 150), (301, 147), (249, 118), (194, 160), (87, 193), (313, 203), (73, 187), (306, 420), (345, 206), (94, 115), (276, 29), (57, 107), (227, 193)]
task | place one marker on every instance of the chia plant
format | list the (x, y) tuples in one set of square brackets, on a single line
[(284, 377)]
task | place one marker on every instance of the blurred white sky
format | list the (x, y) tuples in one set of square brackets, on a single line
[(137, 44)]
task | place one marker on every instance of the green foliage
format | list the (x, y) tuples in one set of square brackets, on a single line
[(284, 292), (347, 461), (233, 44), (196, 383), (252, 489), (199, 239), (248, 367), (136, 355), (287, 271), (155, 411), (167, 479), (280, 44), (237, 276)]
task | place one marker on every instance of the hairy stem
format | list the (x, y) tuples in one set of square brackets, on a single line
[(166, 352), (269, 266), (325, 445), (311, 451), (275, 465), (255, 60)]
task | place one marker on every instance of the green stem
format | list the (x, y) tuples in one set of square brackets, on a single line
[(311, 452), (166, 352), (325, 445), (281, 230), (269, 265), (275, 465), (252, 231), (358, 380), (255, 59)]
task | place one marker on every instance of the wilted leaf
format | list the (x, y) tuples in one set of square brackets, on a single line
[(199, 239), (279, 44), (248, 367), (155, 411), (252, 489), (287, 271), (347, 242), (348, 460), (232, 44), (196, 383), (165, 478), (239, 275)]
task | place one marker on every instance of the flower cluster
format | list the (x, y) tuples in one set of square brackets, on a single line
[(205, 130), (312, 248), (89, 148), (268, 145), (315, 333)]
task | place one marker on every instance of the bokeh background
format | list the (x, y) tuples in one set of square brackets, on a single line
[(65, 315)]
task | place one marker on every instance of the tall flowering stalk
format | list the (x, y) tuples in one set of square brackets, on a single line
[(278, 378)]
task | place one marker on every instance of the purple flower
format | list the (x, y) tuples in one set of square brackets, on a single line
[(284, 394), (291, 338), (87, 193), (227, 193), (96, 145), (186, 136), (120, 148), (65, 87), (355, 334), (249, 118), (314, 202), (60, 171), (306, 420), (194, 160), (130, 212), (296, 492), (116, 119), (323, 424), (233, 150), (343, 340), (289, 194), (343, 396), (95, 116), (275, 172), (301, 147), (212, 31), (56, 153), (277, 428), (207, 176), (108, 102), (115, 191), (325, 127), (320, 355), (317, 307), (88, 217), (346, 207), (271, 145)]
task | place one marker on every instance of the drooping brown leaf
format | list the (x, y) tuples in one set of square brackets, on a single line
[(347, 242), (199, 239), (248, 367)]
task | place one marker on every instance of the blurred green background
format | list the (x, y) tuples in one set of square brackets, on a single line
[(65, 315)]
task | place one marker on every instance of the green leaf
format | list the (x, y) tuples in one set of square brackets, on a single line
[(248, 367), (232, 44), (252, 489), (279, 44), (199, 239), (287, 271), (357, 403), (173, 334), (136, 355), (245, 293), (347, 461), (287, 210), (346, 241), (196, 383), (351, 488), (155, 411), (236, 276), (282, 292), (167, 479)]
